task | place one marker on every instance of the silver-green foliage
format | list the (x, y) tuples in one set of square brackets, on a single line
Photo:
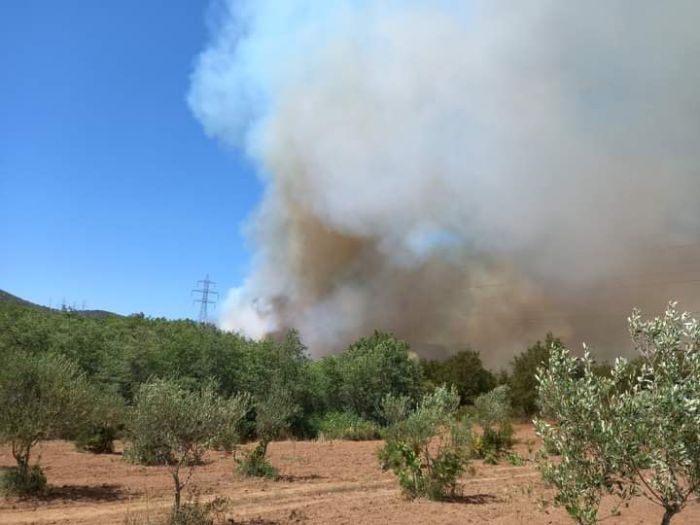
[(428, 450), (177, 425), (273, 416), (634, 432), (394, 408), (493, 412), (493, 408), (42, 396)]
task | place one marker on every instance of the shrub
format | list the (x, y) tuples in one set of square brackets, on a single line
[(428, 449), (42, 397), (189, 513), (255, 463), (515, 459), (176, 425), (97, 440), (626, 435), (13, 482), (196, 513), (345, 425)]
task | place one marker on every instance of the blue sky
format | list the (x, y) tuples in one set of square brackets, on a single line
[(110, 192)]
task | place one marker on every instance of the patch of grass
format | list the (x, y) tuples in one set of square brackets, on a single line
[(191, 513)]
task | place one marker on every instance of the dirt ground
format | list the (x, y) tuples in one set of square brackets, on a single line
[(335, 482)]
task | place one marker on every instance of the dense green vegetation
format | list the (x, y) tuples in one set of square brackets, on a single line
[(464, 371), (173, 389), (117, 360)]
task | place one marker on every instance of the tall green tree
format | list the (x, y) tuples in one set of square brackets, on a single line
[(358, 379), (522, 381), (463, 370)]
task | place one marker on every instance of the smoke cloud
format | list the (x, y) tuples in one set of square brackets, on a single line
[(460, 173)]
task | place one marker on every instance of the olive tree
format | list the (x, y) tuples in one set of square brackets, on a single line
[(181, 424), (634, 432), (493, 412), (273, 415), (428, 449), (42, 396)]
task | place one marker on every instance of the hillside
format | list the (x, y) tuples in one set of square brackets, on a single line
[(6, 297)]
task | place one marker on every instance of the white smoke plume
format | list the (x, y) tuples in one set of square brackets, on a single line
[(461, 173)]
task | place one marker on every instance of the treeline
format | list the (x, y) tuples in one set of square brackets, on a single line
[(172, 389), (122, 353)]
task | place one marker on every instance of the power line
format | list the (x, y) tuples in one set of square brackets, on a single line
[(205, 290)]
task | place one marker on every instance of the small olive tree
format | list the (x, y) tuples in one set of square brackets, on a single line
[(428, 450), (43, 396), (493, 412), (636, 432), (273, 416), (394, 408), (182, 424)]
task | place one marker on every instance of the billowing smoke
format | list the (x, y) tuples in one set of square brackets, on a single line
[(461, 173)]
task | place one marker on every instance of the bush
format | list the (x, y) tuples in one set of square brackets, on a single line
[(621, 434), (196, 513), (97, 440), (255, 463), (190, 513), (345, 425), (14, 482), (428, 451)]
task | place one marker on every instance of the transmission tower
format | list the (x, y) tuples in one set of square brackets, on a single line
[(205, 291)]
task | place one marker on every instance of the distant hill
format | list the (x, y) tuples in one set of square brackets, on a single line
[(6, 297)]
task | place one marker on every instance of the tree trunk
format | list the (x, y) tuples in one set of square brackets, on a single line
[(263, 447), (178, 490), (22, 457), (667, 516)]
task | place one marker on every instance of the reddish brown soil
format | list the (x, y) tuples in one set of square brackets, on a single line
[(322, 483)]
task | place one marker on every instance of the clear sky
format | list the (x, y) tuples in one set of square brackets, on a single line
[(110, 192)]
